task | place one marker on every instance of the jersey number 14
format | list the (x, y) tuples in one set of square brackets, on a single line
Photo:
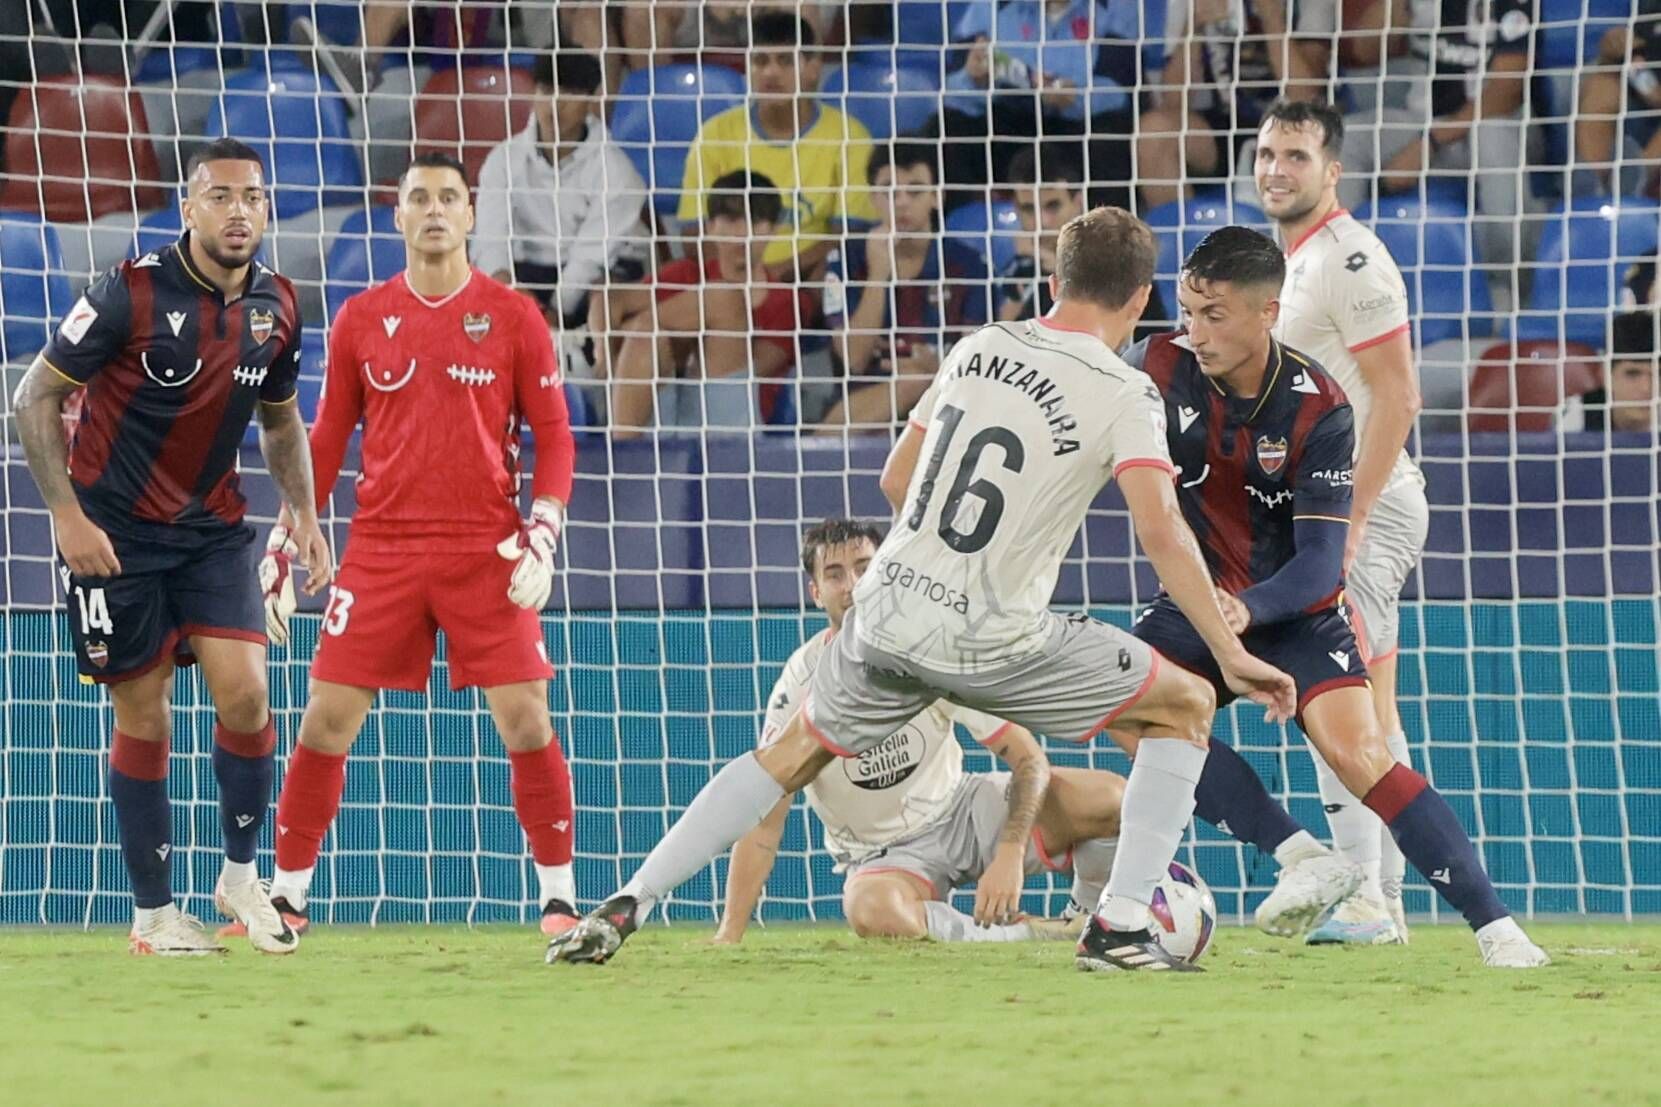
[(965, 483)]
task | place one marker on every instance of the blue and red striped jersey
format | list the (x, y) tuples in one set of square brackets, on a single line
[(1246, 468), (173, 375)]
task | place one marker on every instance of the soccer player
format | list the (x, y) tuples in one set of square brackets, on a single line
[(177, 350), (440, 364), (904, 821), (1345, 306), (1023, 426), (1263, 441)]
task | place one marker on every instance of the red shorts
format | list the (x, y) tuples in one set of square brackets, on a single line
[(384, 612)]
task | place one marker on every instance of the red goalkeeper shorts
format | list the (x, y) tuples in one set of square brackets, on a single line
[(385, 611)]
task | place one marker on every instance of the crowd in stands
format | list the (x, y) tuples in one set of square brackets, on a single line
[(741, 214)]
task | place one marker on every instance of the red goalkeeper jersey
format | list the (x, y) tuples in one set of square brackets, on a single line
[(441, 387)]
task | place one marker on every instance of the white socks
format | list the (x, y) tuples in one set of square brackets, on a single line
[(144, 917), (1299, 847), (1392, 867), (1159, 801), (292, 886), (555, 882), (239, 872), (947, 924), (1092, 865), (1355, 829)]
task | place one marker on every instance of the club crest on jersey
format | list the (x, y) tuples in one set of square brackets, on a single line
[(1271, 454), (260, 324), (98, 653), (476, 326)]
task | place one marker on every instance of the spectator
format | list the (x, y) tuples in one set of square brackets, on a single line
[(1638, 286), (1463, 113), (1048, 183), (1046, 68), (1228, 60), (559, 205), (718, 323), (817, 155), (899, 294), (1626, 402), (1602, 131)]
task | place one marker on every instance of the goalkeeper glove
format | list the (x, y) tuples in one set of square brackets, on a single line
[(277, 583), (533, 548)]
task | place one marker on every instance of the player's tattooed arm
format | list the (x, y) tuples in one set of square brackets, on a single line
[(288, 457), (39, 401), (998, 892)]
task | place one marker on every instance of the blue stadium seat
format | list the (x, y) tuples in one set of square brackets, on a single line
[(658, 114), (1570, 30), (1179, 226), (888, 100), (367, 250), (298, 124), (167, 61), (1431, 243), (34, 291), (990, 230), (1584, 253), (340, 21)]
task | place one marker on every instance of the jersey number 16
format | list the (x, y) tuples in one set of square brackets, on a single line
[(965, 484)]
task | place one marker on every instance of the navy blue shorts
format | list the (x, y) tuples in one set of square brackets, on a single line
[(125, 626), (1318, 651)]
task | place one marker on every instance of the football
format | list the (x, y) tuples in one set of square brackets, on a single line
[(1184, 913)]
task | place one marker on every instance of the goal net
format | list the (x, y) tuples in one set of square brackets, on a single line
[(1528, 665)]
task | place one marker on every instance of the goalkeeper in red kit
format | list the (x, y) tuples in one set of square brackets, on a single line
[(440, 364)]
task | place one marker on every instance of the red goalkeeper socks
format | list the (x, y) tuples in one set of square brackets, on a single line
[(541, 783), (311, 796)]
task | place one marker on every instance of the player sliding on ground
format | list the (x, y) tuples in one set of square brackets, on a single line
[(1263, 442), (440, 364), (177, 350), (1345, 305), (1023, 425), (906, 823)]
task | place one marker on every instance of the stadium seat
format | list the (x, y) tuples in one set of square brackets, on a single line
[(34, 290), (465, 112), (340, 21), (1584, 252), (990, 230), (658, 114), (367, 250), (1570, 30), (92, 139), (165, 62), (1431, 243), (888, 100), (1521, 387), (1179, 226), (298, 124)]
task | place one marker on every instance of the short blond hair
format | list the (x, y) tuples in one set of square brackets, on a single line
[(1104, 256)]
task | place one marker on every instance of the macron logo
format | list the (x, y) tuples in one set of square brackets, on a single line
[(1441, 876), (176, 320), (1341, 658), (242, 821), (1303, 383), (1185, 418), (281, 829), (163, 850), (390, 322), (562, 826)]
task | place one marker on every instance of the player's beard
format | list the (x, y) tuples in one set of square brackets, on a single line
[(1300, 211), (220, 255)]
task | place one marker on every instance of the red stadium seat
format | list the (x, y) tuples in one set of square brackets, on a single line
[(93, 139), (1522, 387), (466, 112)]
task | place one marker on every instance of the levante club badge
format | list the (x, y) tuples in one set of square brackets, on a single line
[(476, 326), (260, 324), (98, 653), (1271, 454)]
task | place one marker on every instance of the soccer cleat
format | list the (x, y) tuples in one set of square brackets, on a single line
[(297, 918), (1398, 909), (597, 936), (1358, 921), (172, 933), (558, 917), (1304, 892), (1505, 946), (250, 904), (1104, 950)]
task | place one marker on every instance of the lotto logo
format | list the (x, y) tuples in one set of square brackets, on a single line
[(472, 375)]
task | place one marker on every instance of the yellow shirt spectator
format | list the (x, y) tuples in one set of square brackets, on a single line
[(820, 174)]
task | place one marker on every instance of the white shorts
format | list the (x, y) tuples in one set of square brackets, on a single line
[(1391, 548)]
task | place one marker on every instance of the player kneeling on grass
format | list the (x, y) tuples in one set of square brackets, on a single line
[(904, 820), (440, 364), (1264, 442)]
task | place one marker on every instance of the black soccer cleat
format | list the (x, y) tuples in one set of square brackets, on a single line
[(598, 936), (1104, 950)]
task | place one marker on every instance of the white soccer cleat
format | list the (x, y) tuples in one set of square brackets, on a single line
[(172, 933), (1304, 892), (1394, 904), (1505, 946), (1358, 921), (249, 903)]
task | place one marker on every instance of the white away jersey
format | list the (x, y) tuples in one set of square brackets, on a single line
[(889, 792), (1343, 294), (1024, 424)]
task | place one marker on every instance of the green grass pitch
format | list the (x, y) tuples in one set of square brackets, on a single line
[(810, 1015)]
